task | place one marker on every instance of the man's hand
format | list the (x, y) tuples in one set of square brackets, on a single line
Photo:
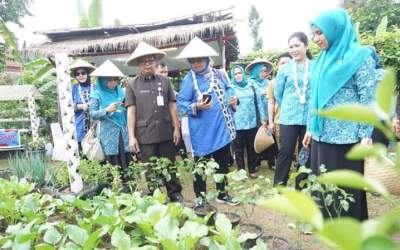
[(133, 145), (177, 136)]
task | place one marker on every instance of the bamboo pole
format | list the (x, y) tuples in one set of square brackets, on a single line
[(68, 120)]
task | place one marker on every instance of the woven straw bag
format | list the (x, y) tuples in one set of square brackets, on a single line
[(383, 172)]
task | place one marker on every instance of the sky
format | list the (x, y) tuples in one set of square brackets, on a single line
[(280, 17)]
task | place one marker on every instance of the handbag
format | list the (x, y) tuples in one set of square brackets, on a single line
[(91, 146)]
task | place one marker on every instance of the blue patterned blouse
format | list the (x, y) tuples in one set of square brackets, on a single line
[(109, 130), (208, 128), (262, 100), (359, 89), (292, 111), (245, 116)]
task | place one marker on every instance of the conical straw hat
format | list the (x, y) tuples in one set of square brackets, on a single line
[(80, 64), (144, 49), (107, 69), (197, 48), (263, 140), (257, 61)]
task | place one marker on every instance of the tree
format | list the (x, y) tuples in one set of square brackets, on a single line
[(370, 12), (91, 18), (14, 10), (254, 24), (351, 4)]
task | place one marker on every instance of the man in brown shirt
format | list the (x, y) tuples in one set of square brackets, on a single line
[(153, 123)]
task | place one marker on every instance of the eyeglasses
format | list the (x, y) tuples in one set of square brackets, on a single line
[(80, 73), (147, 61)]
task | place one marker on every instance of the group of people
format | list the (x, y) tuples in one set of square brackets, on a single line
[(225, 111)]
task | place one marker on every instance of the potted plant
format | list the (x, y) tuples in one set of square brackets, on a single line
[(36, 147)]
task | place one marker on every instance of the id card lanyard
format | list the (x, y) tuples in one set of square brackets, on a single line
[(160, 98)]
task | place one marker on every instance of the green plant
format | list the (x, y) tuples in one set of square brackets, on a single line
[(94, 173), (34, 168)]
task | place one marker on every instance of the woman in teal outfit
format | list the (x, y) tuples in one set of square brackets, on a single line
[(259, 70), (292, 93), (343, 73), (245, 121), (106, 106)]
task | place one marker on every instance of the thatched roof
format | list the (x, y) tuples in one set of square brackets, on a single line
[(18, 92), (124, 39)]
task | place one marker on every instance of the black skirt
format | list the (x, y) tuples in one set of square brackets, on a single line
[(333, 156), (122, 159)]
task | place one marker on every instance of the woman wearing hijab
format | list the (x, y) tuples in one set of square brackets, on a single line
[(107, 106), (343, 73), (259, 71), (292, 93), (205, 96), (245, 120), (81, 92)]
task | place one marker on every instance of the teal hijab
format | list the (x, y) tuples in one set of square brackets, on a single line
[(255, 74), (106, 96), (336, 65), (243, 83)]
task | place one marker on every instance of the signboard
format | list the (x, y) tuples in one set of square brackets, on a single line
[(10, 138)]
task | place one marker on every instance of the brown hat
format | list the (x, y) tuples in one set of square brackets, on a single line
[(263, 140), (144, 49), (259, 61)]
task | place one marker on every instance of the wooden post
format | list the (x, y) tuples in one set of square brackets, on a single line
[(33, 116), (223, 57), (68, 120)]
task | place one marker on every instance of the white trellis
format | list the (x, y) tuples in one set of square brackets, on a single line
[(33, 116), (68, 120)]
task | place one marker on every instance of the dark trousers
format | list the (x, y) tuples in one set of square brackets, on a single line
[(333, 156), (164, 149), (379, 137), (221, 156), (122, 159), (245, 142), (289, 136)]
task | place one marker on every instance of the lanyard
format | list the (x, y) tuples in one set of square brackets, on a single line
[(196, 86), (300, 94)]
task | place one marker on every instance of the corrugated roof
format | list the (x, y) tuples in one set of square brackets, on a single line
[(18, 92)]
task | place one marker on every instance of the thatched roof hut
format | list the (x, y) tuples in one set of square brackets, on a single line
[(117, 42)]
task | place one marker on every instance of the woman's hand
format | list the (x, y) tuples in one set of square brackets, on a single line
[(271, 126), (366, 141), (83, 106), (204, 104), (307, 140), (396, 126), (233, 102), (112, 107)]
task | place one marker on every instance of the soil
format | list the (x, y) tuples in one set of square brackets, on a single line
[(233, 217)]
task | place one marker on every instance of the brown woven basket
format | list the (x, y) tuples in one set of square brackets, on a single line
[(384, 173)]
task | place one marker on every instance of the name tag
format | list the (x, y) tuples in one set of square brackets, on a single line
[(160, 100), (144, 91)]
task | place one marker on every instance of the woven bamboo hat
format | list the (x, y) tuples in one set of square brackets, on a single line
[(107, 69), (80, 64), (144, 49), (258, 61), (197, 48), (263, 140)]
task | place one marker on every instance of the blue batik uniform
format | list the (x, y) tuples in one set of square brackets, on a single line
[(209, 130), (82, 118), (292, 111), (260, 86), (112, 125)]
